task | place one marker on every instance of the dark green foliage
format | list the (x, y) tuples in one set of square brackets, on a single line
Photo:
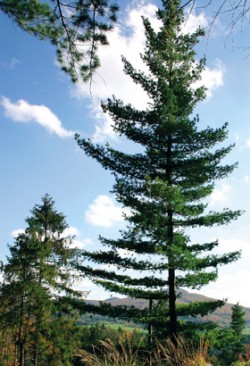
[(93, 334), (45, 231), (167, 185), (67, 25), (37, 273), (238, 325), (63, 334), (227, 343), (238, 322)]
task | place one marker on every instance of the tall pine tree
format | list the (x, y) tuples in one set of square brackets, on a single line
[(167, 184)]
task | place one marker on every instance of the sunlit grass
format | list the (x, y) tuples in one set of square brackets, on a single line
[(178, 352), (124, 353), (127, 352)]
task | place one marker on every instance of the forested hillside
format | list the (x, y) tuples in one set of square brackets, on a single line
[(221, 316)]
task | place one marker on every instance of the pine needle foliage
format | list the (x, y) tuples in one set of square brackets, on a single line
[(166, 185), (76, 28), (37, 279)]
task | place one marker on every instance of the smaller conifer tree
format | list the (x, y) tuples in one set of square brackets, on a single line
[(238, 324), (38, 269)]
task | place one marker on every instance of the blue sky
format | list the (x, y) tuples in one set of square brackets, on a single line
[(40, 109)]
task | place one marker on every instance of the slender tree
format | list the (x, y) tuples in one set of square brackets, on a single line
[(37, 273), (238, 324), (167, 183)]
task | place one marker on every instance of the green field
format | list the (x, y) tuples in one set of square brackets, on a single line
[(123, 326)]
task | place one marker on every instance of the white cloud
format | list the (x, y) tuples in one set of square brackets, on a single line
[(128, 39), (234, 244), (70, 231), (22, 111), (76, 243), (246, 179), (104, 212), (16, 232), (87, 241), (230, 276), (213, 78), (233, 278), (247, 144), (220, 194), (80, 244), (103, 127), (193, 22)]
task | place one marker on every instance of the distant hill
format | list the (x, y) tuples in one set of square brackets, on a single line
[(221, 316)]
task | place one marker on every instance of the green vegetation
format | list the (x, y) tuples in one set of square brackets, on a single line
[(41, 322), (69, 26), (36, 275), (123, 327), (164, 187), (78, 27)]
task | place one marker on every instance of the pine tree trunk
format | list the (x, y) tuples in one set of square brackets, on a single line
[(6, 350), (20, 333), (171, 286), (172, 305), (16, 355), (22, 360), (150, 332), (36, 357), (38, 322), (150, 327), (171, 270)]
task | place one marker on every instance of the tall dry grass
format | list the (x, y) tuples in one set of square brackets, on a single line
[(127, 352), (124, 353), (181, 353)]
